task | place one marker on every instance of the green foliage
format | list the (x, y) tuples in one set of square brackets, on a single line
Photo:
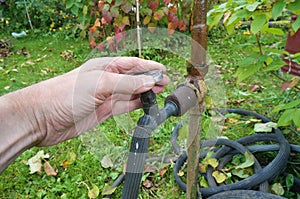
[(264, 58), (70, 17), (290, 114), (41, 13), (82, 10), (278, 8), (258, 14), (115, 17), (249, 67)]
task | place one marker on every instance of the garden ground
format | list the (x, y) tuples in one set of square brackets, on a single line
[(36, 58)]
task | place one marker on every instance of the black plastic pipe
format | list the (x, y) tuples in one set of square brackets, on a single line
[(176, 104)]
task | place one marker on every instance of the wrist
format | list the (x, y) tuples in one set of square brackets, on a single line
[(18, 127)]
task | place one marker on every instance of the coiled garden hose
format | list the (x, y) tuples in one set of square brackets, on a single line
[(244, 194), (262, 175)]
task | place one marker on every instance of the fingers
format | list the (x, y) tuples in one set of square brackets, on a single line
[(123, 106), (112, 83), (123, 65), (134, 65)]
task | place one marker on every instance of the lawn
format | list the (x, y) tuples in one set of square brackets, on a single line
[(78, 161)]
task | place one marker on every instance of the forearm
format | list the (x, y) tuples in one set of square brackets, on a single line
[(18, 132)]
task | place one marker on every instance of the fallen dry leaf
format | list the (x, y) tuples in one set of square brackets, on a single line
[(30, 62), (67, 55), (35, 163), (148, 183), (238, 102), (7, 87), (294, 81), (50, 171), (106, 162), (265, 127), (163, 171), (285, 86), (202, 167), (226, 16), (254, 87), (232, 120), (35, 166)]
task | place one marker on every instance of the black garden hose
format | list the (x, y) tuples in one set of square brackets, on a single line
[(244, 194), (268, 172)]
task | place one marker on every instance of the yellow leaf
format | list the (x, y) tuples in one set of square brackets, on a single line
[(108, 190), (94, 192), (180, 173), (247, 32), (147, 20), (212, 162), (293, 82), (65, 163), (277, 189), (70, 159), (202, 167), (219, 176)]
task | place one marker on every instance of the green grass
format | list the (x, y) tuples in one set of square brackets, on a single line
[(44, 61), (39, 60)]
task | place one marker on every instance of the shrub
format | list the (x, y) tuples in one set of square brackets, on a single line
[(44, 16)]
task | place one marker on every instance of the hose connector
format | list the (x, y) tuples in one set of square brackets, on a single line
[(184, 97)]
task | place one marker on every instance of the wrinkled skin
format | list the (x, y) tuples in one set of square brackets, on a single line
[(64, 107)]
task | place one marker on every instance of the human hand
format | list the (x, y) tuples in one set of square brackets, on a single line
[(68, 105)]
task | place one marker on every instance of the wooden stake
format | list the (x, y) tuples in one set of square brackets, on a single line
[(28, 15), (197, 69), (138, 25)]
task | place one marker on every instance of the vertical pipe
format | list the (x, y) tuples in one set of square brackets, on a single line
[(138, 29), (197, 70)]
